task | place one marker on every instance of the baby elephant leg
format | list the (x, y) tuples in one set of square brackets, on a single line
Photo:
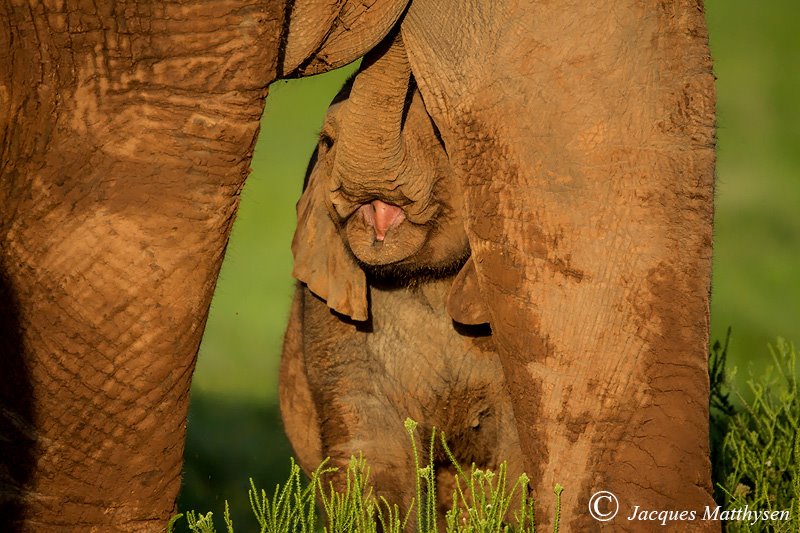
[(358, 412), (299, 414)]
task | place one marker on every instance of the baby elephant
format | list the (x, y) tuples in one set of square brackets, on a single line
[(372, 338)]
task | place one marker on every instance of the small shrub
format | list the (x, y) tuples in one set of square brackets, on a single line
[(480, 502), (756, 442)]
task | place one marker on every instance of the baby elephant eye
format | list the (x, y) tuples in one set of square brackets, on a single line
[(325, 141)]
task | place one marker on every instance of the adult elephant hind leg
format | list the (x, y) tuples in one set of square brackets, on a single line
[(586, 154)]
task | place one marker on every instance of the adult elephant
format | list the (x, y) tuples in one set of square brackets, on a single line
[(583, 137)]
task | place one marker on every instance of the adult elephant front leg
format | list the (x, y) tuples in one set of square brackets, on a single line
[(586, 151), (125, 144)]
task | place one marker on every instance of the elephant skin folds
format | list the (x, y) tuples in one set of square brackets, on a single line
[(586, 157), (126, 139)]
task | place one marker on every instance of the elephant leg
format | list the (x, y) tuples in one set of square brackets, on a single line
[(299, 414), (357, 411), (110, 312), (122, 163), (585, 150)]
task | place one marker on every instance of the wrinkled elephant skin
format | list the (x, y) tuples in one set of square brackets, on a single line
[(586, 156)]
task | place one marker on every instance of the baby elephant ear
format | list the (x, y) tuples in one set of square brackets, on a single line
[(465, 304), (321, 260)]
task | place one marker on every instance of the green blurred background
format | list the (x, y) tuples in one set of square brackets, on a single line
[(234, 426)]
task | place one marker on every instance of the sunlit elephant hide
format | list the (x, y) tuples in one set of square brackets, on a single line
[(581, 138)]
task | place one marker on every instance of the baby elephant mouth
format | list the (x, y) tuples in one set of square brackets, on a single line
[(379, 233), (382, 217)]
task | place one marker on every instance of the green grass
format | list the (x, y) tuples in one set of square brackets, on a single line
[(481, 502), (756, 437)]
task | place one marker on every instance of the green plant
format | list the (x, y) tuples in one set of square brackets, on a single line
[(721, 408), (756, 438), (481, 501)]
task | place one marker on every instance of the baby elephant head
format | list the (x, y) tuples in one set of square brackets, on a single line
[(381, 199), (396, 201)]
